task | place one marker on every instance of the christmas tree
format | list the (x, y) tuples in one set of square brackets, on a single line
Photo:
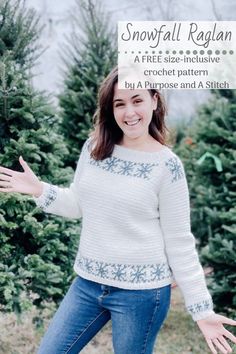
[(92, 57), (19, 32), (37, 250)]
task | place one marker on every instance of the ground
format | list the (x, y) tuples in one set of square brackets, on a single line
[(179, 334)]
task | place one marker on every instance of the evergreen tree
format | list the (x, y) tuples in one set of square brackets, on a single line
[(19, 32), (92, 56), (210, 155), (37, 250)]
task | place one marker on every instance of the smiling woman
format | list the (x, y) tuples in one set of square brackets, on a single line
[(131, 190), (133, 108)]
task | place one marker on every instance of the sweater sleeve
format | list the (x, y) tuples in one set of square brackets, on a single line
[(180, 247), (63, 201)]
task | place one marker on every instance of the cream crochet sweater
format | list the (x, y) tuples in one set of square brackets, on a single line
[(136, 229)]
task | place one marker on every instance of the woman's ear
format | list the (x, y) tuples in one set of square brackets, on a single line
[(155, 101)]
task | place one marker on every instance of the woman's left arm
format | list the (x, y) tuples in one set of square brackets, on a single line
[(180, 247)]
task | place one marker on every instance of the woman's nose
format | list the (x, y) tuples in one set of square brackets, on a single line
[(129, 111)]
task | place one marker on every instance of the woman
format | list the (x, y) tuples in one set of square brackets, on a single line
[(131, 192)]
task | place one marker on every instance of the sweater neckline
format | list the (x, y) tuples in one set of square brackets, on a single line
[(129, 151)]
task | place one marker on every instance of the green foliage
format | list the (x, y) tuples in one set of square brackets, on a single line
[(209, 155), (37, 250), (19, 32), (92, 55)]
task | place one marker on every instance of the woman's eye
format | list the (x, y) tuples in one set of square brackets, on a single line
[(122, 104)]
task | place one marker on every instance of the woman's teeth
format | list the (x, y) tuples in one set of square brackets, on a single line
[(133, 123)]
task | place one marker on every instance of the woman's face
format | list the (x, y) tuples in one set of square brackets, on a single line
[(133, 110)]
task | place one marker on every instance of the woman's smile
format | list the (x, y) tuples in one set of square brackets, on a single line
[(133, 122)]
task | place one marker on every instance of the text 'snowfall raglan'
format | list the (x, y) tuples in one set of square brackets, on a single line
[(136, 229)]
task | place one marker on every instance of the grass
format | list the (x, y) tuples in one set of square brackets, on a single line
[(179, 334)]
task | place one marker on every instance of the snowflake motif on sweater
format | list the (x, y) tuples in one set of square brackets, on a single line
[(125, 272), (200, 306), (175, 168), (125, 167)]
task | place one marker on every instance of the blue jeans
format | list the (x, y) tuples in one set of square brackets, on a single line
[(136, 317)]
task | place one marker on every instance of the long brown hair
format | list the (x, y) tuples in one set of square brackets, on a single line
[(106, 131)]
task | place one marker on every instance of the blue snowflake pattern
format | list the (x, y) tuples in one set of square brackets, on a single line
[(119, 272), (144, 170), (159, 271), (95, 162), (110, 163), (138, 274), (101, 269), (125, 167), (190, 308), (200, 306), (88, 265), (144, 273), (175, 168), (206, 304), (50, 196)]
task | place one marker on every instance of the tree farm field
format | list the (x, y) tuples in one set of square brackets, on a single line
[(179, 334)]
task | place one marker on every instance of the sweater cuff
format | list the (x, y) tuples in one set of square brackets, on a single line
[(201, 310), (202, 315), (47, 197)]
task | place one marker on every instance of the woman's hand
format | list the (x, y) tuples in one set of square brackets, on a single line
[(22, 182), (215, 333)]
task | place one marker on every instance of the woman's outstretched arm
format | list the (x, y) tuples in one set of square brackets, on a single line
[(51, 198), (174, 209)]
